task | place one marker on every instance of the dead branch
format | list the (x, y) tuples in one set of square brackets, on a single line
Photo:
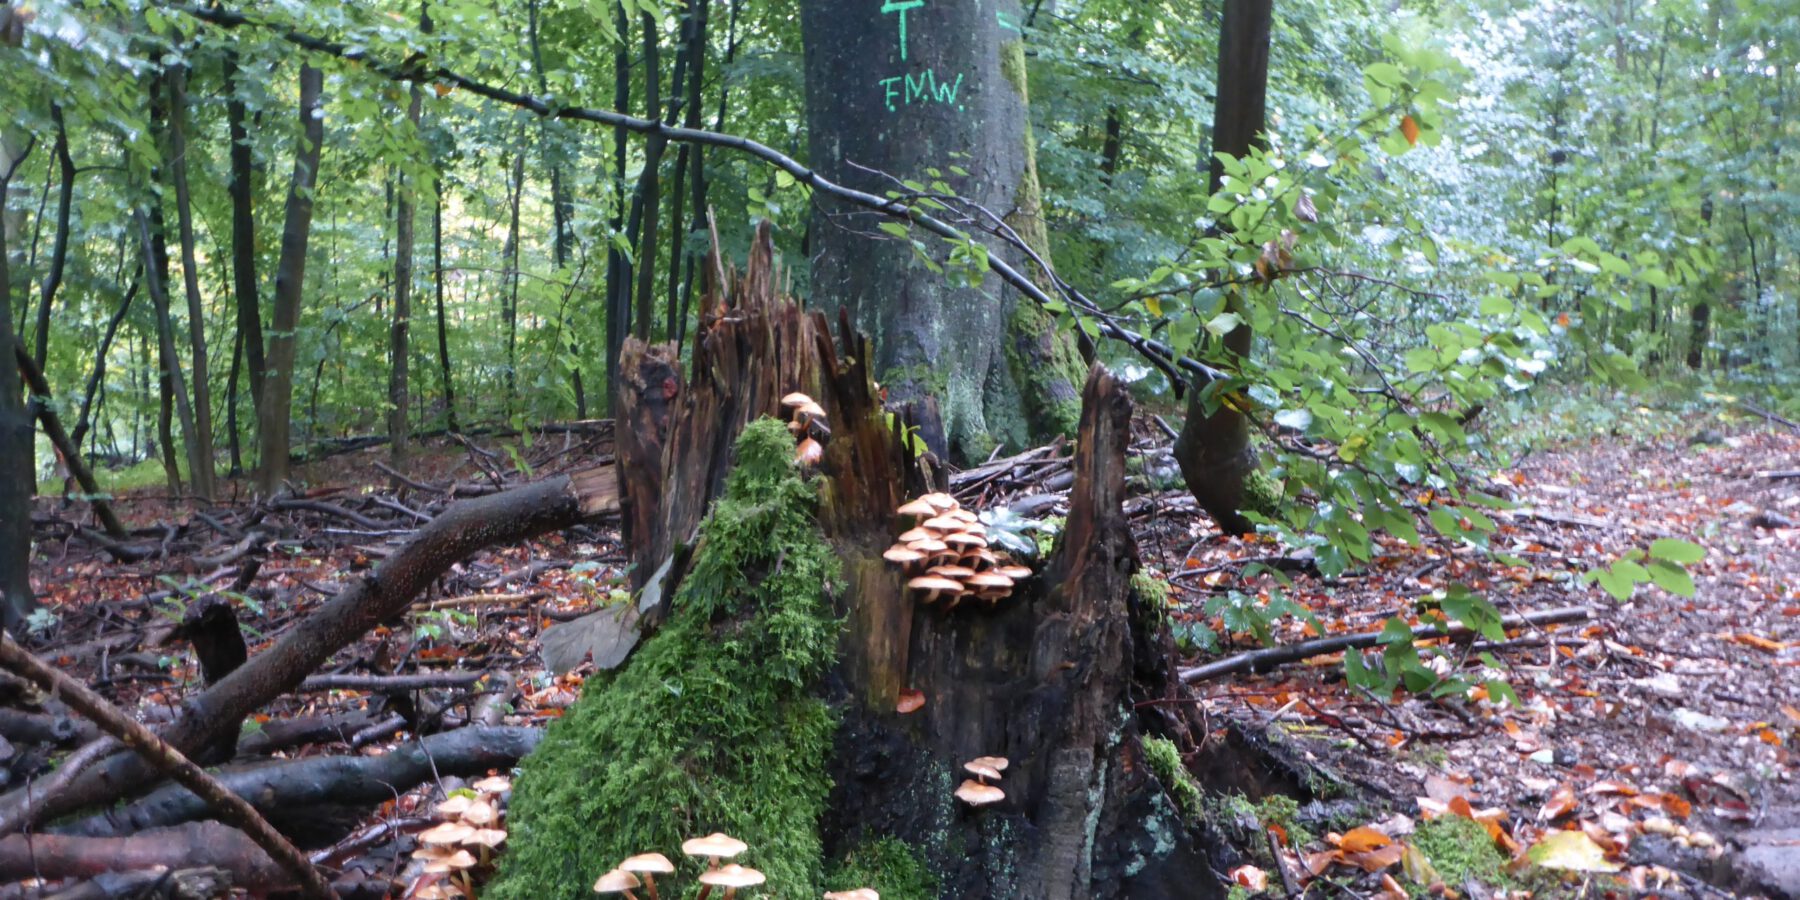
[(197, 845), (390, 684), (71, 454), (1271, 657), (169, 761)]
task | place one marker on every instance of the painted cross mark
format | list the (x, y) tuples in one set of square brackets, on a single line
[(901, 7)]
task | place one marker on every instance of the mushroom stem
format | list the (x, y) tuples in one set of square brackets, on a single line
[(705, 891), (650, 885)]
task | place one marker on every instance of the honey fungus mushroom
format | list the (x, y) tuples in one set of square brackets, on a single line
[(975, 793), (730, 878)]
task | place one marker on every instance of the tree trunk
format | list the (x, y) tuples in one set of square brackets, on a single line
[(562, 205), (618, 306), (443, 331), (1047, 678), (272, 415), (243, 232), (510, 302), (200, 478), (650, 183), (904, 89), (399, 329), (168, 355), (1213, 449), (17, 480), (59, 246), (69, 450)]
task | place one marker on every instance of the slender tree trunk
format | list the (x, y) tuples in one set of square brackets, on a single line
[(1213, 449), (97, 376), (510, 302), (562, 205), (231, 406), (398, 331), (443, 330), (649, 184), (272, 416), (694, 57), (618, 310), (168, 354), (17, 480), (59, 247), (201, 476), (243, 232), (701, 213)]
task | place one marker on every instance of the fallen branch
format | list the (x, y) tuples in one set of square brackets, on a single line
[(198, 845), (1271, 657), (390, 684), (210, 721), (1759, 411), (296, 788), (170, 761), (71, 454)]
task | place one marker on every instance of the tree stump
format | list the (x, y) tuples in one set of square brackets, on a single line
[(1049, 678)]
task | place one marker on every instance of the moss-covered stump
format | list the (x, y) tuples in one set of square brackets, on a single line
[(714, 725)]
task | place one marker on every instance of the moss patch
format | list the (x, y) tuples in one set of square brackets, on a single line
[(1164, 759), (887, 865), (1262, 494), (713, 725), (1460, 849)]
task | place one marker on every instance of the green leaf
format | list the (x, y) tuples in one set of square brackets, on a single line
[(1677, 551), (1672, 578), (894, 228), (1385, 73), (1224, 323)]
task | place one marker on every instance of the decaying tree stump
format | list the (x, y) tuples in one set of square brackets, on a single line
[(1047, 678)]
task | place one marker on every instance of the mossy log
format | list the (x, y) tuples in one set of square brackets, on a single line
[(1050, 678)]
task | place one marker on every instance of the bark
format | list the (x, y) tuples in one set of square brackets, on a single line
[(1048, 678), (399, 328), (209, 722), (17, 480), (443, 330), (649, 183), (288, 790), (97, 376), (168, 355), (618, 309), (243, 232), (274, 413), (67, 449), (59, 246), (199, 845), (690, 69), (200, 478), (230, 807), (510, 302), (902, 88), (1213, 449)]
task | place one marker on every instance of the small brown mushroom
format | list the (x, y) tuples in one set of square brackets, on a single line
[(936, 586), (963, 515), (965, 541), (617, 882), (989, 585), (795, 400), (808, 452), (1015, 571), (447, 860), (997, 763), (649, 865), (917, 508), (960, 573), (446, 834), (929, 546), (903, 555), (480, 812), (455, 805), (730, 878), (917, 534), (714, 847), (981, 771), (810, 410), (944, 524), (940, 501), (853, 894), (975, 793)]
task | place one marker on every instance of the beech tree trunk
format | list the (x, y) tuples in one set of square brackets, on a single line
[(399, 329), (274, 413), (903, 90), (1047, 678), (201, 476), (16, 435), (243, 232)]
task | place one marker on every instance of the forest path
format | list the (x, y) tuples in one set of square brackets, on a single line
[(1659, 708)]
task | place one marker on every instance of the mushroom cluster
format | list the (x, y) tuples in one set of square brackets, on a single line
[(464, 841), (946, 554), (805, 417), (625, 879), (976, 791)]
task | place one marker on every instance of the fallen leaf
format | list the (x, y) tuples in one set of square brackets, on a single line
[(1571, 851), (1360, 840)]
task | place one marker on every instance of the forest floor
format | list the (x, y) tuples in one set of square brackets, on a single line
[(1655, 728)]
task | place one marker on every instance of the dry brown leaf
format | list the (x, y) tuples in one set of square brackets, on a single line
[(1363, 839), (1561, 803)]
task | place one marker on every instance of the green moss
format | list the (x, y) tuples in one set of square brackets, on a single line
[(1155, 594), (887, 865), (1275, 809), (1460, 849), (1164, 759), (712, 726), (1262, 494)]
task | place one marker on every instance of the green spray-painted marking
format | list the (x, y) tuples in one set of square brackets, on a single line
[(901, 6)]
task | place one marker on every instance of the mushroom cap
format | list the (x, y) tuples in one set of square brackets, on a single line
[(486, 837), (795, 400), (809, 451), (732, 876), (450, 861), (935, 585), (916, 508), (493, 784), (963, 515), (929, 545), (916, 534), (944, 523), (856, 894), (1015, 571), (998, 763), (480, 812), (647, 862), (980, 559), (957, 572), (902, 554), (446, 833), (910, 701), (986, 583), (617, 881), (965, 540), (811, 409), (717, 845), (940, 501), (975, 793), (456, 805), (981, 770)]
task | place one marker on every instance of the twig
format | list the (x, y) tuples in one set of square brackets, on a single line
[(1263, 660), (230, 807), (1759, 411)]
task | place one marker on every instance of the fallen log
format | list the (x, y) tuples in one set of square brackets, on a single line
[(149, 884), (209, 721), (169, 761), (390, 684), (198, 845), (1271, 657), (289, 791)]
